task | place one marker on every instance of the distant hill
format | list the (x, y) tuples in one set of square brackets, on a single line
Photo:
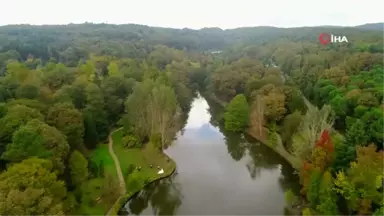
[(372, 26), (132, 40)]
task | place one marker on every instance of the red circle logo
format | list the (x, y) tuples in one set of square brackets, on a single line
[(324, 38)]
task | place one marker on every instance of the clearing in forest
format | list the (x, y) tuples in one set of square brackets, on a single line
[(141, 157)]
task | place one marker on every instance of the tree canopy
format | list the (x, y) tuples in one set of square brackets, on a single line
[(31, 188), (63, 88), (236, 115)]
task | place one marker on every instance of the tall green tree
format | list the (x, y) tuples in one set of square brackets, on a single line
[(140, 119), (26, 142), (113, 69), (356, 134), (31, 188), (327, 204), (57, 75), (95, 106), (274, 101), (16, 116), (29, 91), (69, 121), (290, 125), (157, 116), (314, 186), (91, 137), (38, 139), (346, 152), (116, 89), (164, 107), (237, 114), (361, 184), (78, 167)]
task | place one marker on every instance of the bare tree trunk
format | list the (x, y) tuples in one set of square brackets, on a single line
[(260, 112), (151, 113), (313, 124), (167, 124)]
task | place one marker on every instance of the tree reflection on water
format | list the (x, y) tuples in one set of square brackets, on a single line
[(206, 137), (163, 198)]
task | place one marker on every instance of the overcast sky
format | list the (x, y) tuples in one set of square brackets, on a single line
[(193, 13)]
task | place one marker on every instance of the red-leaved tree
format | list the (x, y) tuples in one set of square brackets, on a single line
[(322, 156)]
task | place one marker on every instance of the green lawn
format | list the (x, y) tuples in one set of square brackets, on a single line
[(143, 157), (91, 190), (101, 153)]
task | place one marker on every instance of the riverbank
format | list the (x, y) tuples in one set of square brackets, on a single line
[(205, 152), (147, 158), (277, 147), (252, 131)]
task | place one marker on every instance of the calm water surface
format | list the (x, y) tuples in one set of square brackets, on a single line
[(217, 173)]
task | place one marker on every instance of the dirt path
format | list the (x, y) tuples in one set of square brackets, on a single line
[(117, 163)]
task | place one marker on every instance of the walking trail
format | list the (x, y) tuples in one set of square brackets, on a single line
[(123, 189)]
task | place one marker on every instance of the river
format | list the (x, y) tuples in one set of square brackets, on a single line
[(218, 173)]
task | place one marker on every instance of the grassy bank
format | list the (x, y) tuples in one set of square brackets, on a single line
[(92, 202), (102, 154), (277, 146), (139, 157)]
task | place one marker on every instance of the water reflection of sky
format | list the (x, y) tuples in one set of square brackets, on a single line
[(212, 182), (209, 174), (199, 115), (198, 124)]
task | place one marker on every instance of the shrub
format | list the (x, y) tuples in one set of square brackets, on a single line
[(93, 168), (379, 211), (155, 139), (130, 169), (130, 141), (272, 139), (307, 211), (290, 197), (135, 181)]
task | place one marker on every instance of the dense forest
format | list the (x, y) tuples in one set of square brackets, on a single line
[(53, 116), (320, 107), (64, 88)]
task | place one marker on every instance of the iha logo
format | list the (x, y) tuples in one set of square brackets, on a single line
[(325, 38)]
